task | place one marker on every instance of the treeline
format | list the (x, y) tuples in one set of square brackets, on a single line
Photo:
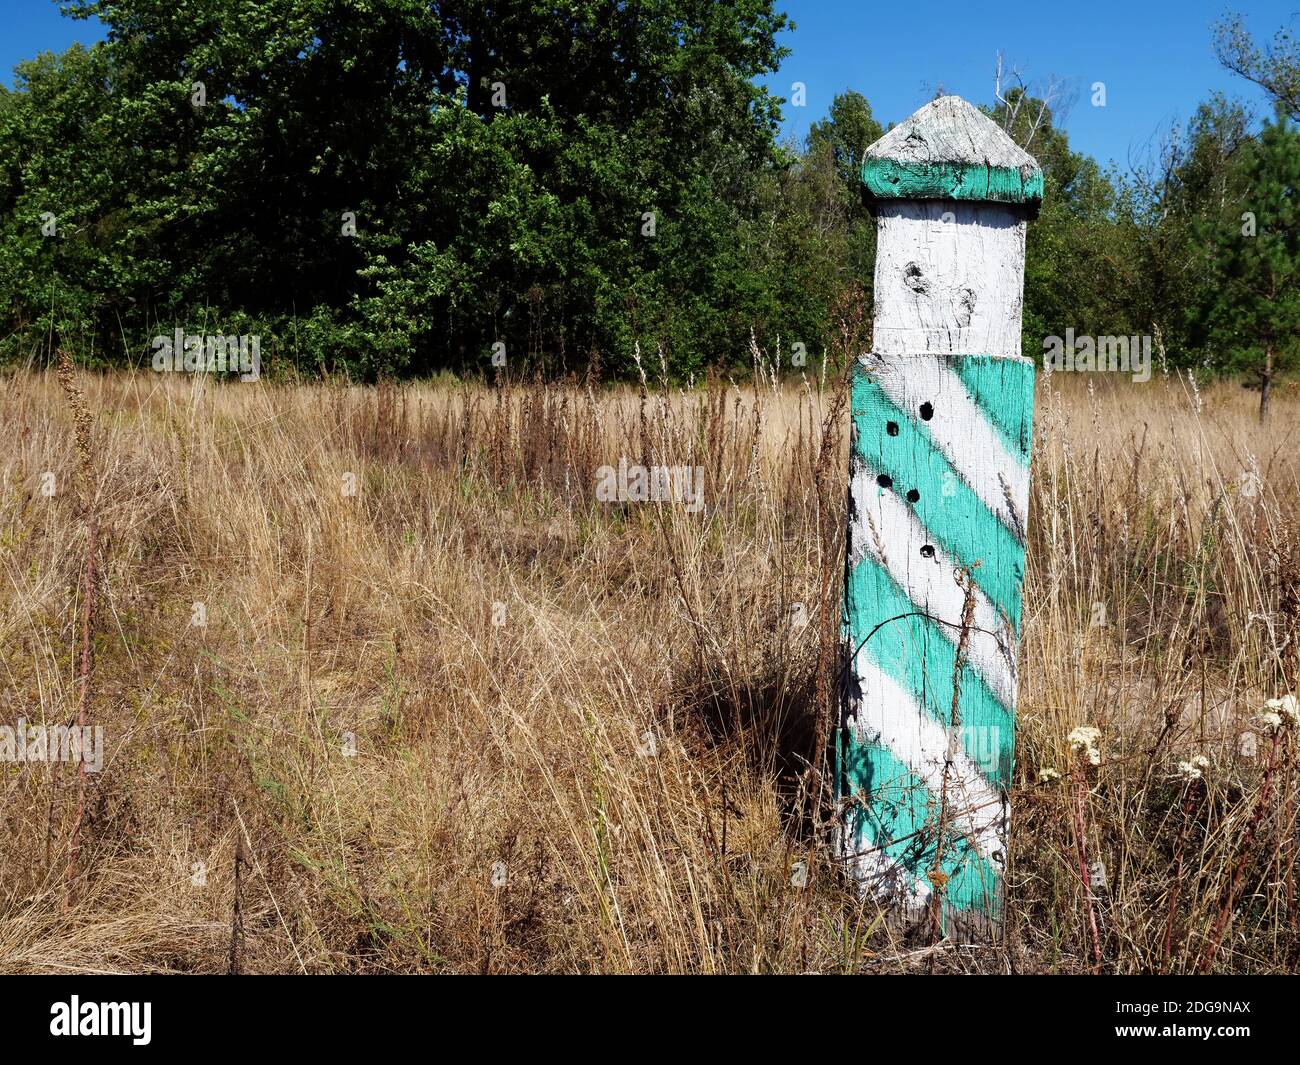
[(398, 187)]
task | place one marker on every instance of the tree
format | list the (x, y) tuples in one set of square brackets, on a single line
[(848, 129), (1075, 261), (1274, 68), (1190, 185), (833, 158), (395, 185), (1254, 315)]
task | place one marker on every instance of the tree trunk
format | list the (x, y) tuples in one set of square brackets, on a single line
[(1266, 384), (475, 97)]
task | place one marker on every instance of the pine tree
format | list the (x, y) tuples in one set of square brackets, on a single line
[(1254, 314)]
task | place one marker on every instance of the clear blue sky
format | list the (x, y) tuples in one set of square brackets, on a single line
[(1153, 55), (28, 27)]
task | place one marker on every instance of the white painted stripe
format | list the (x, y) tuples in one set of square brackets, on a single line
[(886, 879), (886, 714), (962, 431), (930, 583)]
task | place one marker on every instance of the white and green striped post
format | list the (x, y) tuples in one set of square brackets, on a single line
[(939, 491)]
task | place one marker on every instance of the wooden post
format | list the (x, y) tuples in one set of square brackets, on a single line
[(939, 493)]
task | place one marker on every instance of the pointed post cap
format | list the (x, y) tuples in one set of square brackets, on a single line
[(949, 150)]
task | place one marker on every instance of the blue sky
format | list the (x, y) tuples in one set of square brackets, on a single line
[(1154, 56), (32, 26)]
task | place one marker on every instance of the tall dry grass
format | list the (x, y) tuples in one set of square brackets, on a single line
[(386, 688)]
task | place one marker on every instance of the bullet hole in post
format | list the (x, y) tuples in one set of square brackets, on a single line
[(927, 411), (885, 481), (927, 551), (891, 428), (913, 496)]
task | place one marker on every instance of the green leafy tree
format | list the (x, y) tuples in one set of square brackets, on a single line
[(395, 185), (841, 139), (1275, 68), (847, 131), (1253, 318), (1190, 183), (1075, 256)]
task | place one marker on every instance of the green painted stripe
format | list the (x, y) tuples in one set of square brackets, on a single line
[(1004, 390), (915, 653), (900, 816), (890, 179), (959, 522)]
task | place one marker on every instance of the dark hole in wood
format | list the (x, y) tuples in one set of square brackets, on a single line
[(891, 428), (927, 551), (967, 308), (913, 279), (885, 481), (927, 411), (913, 496)]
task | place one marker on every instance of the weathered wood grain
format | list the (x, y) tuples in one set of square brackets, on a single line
[(949, 278), (939, 490), (950, 150)]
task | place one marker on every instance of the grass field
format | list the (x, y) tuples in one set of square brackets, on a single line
[(385, 687)]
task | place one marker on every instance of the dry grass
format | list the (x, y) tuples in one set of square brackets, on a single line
[(617, 703)]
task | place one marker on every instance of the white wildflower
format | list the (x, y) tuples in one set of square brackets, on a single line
[(1046, 776), (1084, 736), (1084, 740), (1287, 708), (1271, 720), (1194, 768)]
